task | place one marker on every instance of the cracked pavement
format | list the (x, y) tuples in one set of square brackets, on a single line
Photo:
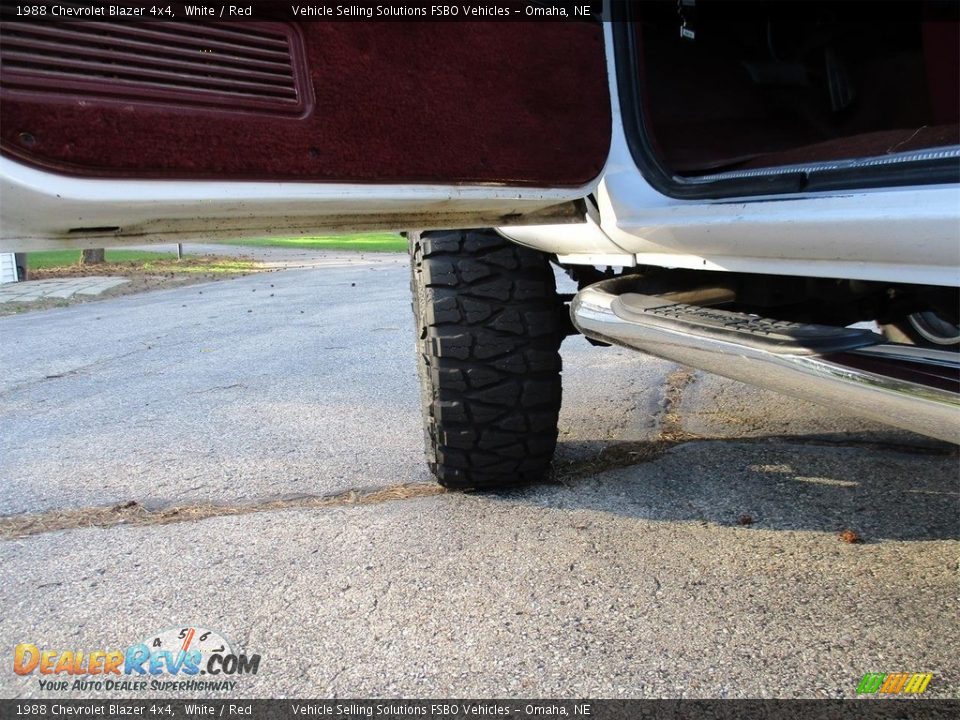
[(246, 456)]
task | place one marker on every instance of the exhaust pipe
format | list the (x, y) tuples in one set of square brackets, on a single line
[(853, 370)]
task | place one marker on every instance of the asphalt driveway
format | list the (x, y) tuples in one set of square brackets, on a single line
[(246, 456)]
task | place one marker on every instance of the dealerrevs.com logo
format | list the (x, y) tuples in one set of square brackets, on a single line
[(178, 659)]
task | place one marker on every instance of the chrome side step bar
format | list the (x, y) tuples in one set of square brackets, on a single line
[(912, 388)]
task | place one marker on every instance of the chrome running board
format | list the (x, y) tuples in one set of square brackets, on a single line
[(901, 385)]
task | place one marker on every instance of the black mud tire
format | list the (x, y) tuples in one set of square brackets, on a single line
[(489, 325)]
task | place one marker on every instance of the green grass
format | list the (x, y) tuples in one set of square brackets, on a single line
[(365, 242), (148, 261), (60, 263), (65, 258)]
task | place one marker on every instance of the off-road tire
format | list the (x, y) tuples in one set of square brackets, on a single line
[(489, 325)]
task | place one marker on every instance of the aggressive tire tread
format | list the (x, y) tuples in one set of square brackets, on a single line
[(489, 326)]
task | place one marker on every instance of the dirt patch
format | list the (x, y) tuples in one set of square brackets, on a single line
[(671, 422), (609, 457), (142, 277), (134, 514)]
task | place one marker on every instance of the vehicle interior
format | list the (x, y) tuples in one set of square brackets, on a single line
[(749, 87)]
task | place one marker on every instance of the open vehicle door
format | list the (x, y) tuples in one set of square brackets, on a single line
[(118, 129)]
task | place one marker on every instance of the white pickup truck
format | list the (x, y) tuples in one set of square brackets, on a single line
[(733, 186)]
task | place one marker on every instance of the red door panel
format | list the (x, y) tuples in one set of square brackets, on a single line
[(513, 103)]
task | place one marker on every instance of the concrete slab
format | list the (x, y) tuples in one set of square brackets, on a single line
[(101, 286), (31, 290)]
